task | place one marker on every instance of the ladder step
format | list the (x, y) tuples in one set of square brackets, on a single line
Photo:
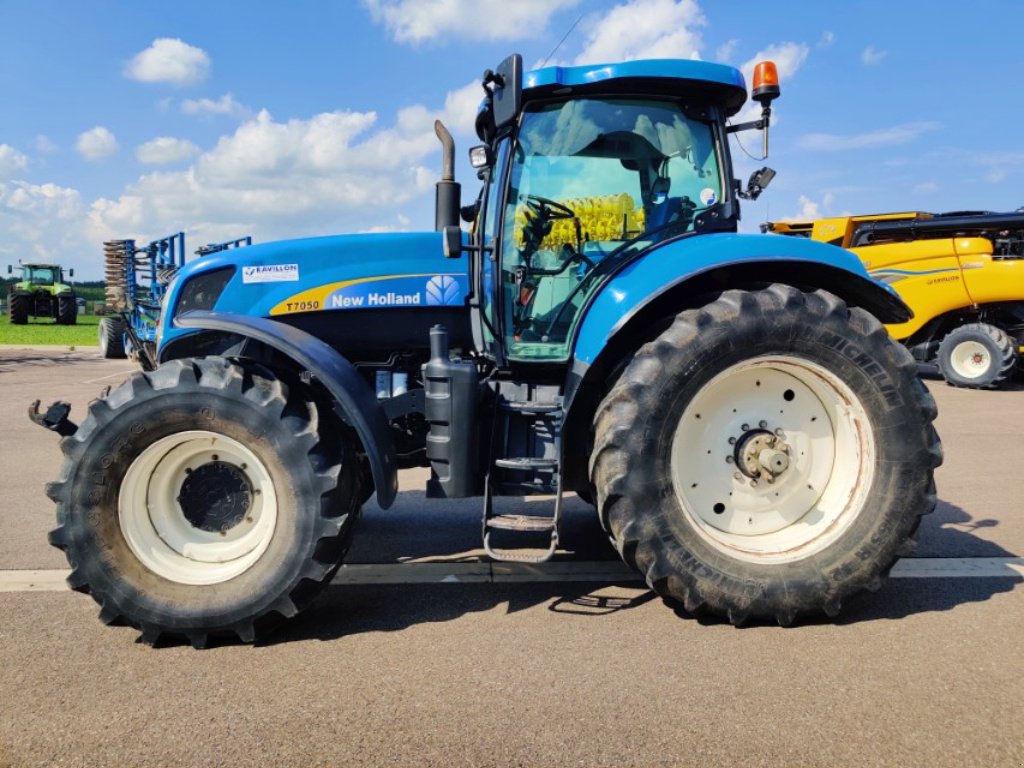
[(530, 406), (526, 462), (521, 523), (527, 489)]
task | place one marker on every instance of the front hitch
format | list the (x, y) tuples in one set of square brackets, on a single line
[(55, 419)]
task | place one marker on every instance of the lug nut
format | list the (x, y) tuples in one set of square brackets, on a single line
[(762, 424), (732, 441), (729, 459), (745, 427)]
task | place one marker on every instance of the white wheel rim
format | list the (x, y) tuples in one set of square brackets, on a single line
[(154, 522), (822, 435), (970, 359)]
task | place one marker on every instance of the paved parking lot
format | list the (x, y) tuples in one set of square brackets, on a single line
[(498, 668)]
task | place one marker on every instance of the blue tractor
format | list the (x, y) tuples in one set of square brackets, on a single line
[(752, 440)]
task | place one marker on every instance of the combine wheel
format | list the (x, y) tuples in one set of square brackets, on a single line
[(17, 308), (111, 338), (67, 311), (978, 356), (200, 500), (767, 456)]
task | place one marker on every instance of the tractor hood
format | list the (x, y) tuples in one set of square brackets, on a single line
[(323, 274), (315, 279)]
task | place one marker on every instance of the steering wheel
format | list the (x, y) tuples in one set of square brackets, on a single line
[(557, 211)]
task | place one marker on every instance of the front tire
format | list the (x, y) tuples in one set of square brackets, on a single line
[(766, 456), (67, 310), (201, 500), (977, 356), (110, 335), (17, 309)]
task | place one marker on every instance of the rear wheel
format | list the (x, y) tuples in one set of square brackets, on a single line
[(978, 356), (111, 338), (17, 308), (767, 456), (67, 310), (202, 500)]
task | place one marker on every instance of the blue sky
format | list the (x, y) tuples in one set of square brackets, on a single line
[(128, 119)]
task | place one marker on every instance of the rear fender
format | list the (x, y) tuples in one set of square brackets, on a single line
[(353, 398), (721, 261)]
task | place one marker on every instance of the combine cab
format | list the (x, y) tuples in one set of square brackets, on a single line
[(962, 274), (41, 292)]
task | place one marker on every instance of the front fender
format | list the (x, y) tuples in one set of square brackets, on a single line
[(729, 257), (352, 395)]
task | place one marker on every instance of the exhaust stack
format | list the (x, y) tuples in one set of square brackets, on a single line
[(449, 193)]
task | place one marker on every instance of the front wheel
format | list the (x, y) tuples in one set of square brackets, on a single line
[(767, 456), (110, 335), (67, 310), (204, 499), (17, 308), (977, 356)]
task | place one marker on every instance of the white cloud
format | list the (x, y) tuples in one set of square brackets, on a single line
[(96, 144), (926, 187), (827, 39), (335, 171), (225, 105), (809, 210), (44, 145), (883, 137), (12, 162), (169, 60), (872, 55), (416, 21), (42, 221), (725, 52), (164, 149), (644, 29)]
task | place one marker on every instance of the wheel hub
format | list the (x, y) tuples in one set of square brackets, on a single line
[(760, 454), (215, 497)]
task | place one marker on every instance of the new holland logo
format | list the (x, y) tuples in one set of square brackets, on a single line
[(443, 290)]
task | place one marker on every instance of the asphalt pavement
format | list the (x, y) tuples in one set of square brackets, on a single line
[(491, 667)]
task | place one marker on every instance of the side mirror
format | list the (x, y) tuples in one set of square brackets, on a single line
[(451, 242), (9, 269), (758, 183), (71, 272), (508, 90)]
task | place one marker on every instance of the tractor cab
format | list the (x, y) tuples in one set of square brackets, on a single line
[(585, 168)]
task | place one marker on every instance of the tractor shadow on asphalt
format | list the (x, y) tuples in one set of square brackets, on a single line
[(344, 610)]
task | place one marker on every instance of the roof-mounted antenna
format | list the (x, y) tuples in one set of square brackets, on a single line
[(555, 49)]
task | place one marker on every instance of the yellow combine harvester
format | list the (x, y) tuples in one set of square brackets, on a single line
[(962, 273)]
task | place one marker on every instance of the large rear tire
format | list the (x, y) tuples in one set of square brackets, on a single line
[(204, 500), (17, 308), (766, 456), (111, 338), (977, 356)]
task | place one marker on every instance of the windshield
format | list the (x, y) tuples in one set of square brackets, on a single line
[(40, 275), (588, 176)]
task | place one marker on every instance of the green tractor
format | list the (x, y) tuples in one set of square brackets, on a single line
[(41, 292)]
